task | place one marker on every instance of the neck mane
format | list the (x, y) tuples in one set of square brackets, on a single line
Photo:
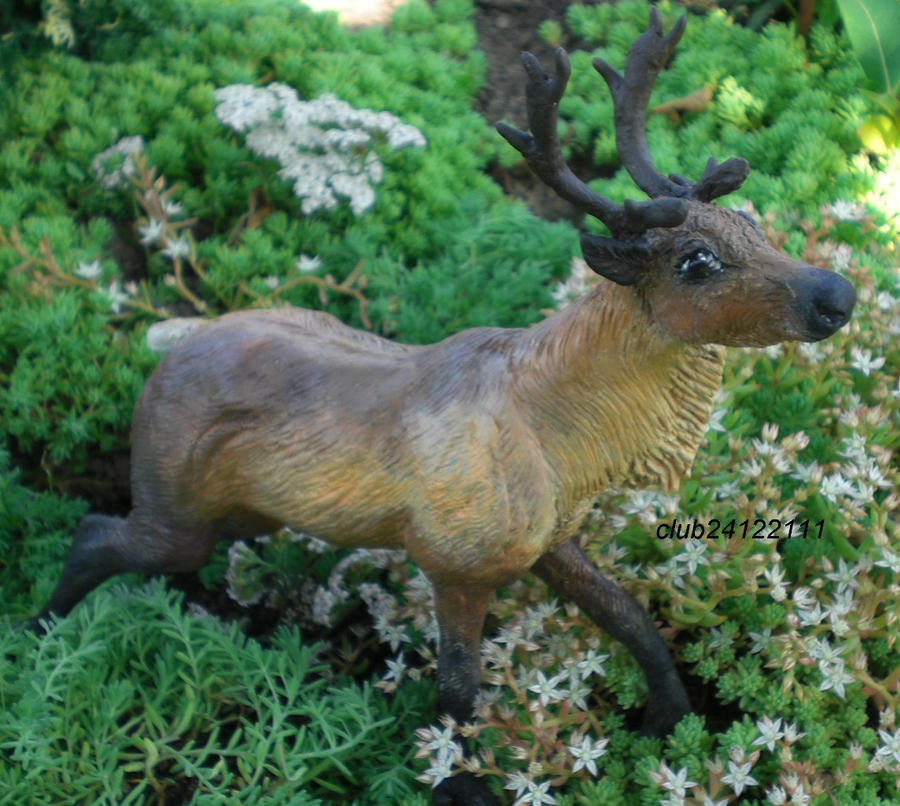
[(614, 400)]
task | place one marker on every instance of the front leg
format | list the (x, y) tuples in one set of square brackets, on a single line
[(571, 574), (460, 614)]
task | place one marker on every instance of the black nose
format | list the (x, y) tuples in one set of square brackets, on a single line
[(828, 300)]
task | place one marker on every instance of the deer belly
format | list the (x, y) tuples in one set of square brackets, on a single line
[(348, 503)]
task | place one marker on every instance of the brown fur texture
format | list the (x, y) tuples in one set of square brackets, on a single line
[(476, 454)]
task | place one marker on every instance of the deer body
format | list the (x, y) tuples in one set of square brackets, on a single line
[(465, 453), (479, 454)]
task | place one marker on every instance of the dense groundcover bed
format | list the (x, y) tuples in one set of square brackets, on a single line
[(131, 192)]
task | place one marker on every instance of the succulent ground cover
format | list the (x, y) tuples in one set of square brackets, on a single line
[(121, 208)]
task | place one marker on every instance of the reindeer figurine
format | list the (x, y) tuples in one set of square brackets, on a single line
[(480, 454)]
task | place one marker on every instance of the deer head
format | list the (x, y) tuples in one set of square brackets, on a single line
[(705, 273)]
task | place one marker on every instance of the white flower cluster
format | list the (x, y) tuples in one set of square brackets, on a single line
[(323, 145), (115, 165), (580, 280)]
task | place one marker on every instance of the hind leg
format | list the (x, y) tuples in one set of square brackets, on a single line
[(103, 547), (93, 558)]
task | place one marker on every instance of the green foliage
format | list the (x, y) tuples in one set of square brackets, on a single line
[(189, 705), (792, 112), (873, 27), (68, 110), (34, 533)]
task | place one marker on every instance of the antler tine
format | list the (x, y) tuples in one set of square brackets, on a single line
[(543, 153), (721, 179), (631, 93), (647, 56)]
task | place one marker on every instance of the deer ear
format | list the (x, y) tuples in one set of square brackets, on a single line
[(623, 262)]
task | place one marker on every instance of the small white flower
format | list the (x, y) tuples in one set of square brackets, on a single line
[(761, 640), (799, 796), (738, 776), (770, 732), (89, 271), (396, 668), (841, 257), (862, 361), (537, 794), (715, 421), (846, 210), (172, 208), (592, 664), (751, 469), (579, 691), (677, 782), (727, 490), (812, 351), (791, 734), (720, 639), (777, 796), (114, 165), (821, 650), (306, 264), (890, 747), (872, 473), (440, 770), (807, 472), (272, 282), (587, 753), (775, 577), (324, 601), (812, 616), (151, 232), (441, 742), (176, 248), (835, 486), (391, 634), (834, 677), (693, 555), (803, 598), (117, 297), (845, 576), (546, 688), (889, 560), (518, 782)]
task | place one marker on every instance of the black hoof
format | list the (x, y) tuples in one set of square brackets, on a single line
[(464, 789), (660, 718), (37, 625)]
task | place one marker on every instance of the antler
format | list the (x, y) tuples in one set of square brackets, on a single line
[(647, 56), (543, 154), (631, 92)]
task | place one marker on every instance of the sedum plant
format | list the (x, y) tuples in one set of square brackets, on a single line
[(789, 108), (322, 145)]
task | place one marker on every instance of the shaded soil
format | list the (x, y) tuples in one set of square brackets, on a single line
[(506, 28)]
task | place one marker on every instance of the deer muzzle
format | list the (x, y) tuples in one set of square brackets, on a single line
[(826, 301)]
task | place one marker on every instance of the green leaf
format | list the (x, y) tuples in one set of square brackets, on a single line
[(874, 30), (878, 134)]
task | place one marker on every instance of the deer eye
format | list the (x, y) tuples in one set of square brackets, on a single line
[(699, 265)]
